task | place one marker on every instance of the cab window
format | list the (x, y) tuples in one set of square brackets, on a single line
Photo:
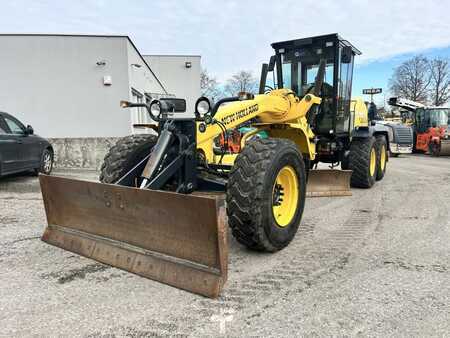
[(14, 126), (2, 127), (311, 73), (299, 71), (344, 93), (286, 68)]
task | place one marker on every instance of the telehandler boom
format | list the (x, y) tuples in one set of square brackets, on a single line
[(158, 211)]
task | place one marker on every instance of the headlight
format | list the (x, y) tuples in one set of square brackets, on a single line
[(202, 106), (124, 104), (155, 108)]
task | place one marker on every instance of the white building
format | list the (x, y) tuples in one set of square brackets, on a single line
[(70, 86)]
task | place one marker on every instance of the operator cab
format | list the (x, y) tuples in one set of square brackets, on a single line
[(296, 66), (427, 117)]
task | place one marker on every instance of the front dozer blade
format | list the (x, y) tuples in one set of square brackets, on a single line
[(173, 238), (328, 182)]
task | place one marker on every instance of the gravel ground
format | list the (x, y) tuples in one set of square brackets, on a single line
[(373, 264)]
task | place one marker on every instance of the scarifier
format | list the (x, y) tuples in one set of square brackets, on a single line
[(164, 201)]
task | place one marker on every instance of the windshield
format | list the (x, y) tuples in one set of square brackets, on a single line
[(300, 76), (439, 117), (431, 117)]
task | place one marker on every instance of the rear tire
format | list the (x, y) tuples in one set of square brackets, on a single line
[(361, 161), (124, 155), (264, 210), (434, 149), (381, 146)]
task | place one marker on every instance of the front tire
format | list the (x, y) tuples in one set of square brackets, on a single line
[(124, 155), (363, 162), (266, 194), (46, 164)]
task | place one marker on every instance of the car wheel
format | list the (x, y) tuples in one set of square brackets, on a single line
[(46, 165)]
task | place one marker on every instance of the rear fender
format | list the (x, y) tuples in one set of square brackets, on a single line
[(298, 133), (373, 131)]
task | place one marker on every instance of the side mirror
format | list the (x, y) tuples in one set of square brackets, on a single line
[(346, 54), (29, 130), (262, 81), (271, 64), (175, 105)]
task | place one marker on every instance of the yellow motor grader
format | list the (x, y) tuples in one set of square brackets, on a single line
[(158, 211)]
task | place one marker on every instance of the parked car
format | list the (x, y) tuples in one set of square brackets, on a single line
[(21, 150)]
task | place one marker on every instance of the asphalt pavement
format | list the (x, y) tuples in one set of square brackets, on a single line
[(373, 264)]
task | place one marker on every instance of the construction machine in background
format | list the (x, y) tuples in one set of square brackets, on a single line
[(431, 126), (158, 211), (401, 138), (400, 135)]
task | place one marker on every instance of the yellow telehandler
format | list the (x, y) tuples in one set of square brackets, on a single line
[(156, 211)]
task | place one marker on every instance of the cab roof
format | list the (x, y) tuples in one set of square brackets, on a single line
[(314, 39)]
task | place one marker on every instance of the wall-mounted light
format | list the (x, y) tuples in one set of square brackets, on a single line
[(137, 65), (107, 80), (101, 63), (188, 64)]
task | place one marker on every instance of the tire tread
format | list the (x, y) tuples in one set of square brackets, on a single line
[(245, 192), (119, 157)]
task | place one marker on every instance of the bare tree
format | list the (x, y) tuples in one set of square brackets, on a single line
[(209, 86), (242, 81), (440, 81), (412, 79)]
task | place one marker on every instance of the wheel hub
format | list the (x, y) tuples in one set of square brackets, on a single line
[(383, 157), (47, 162), (285, 196), (278, 195), (373, 161)]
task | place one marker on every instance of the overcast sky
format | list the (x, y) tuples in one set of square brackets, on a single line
[(234, 35)]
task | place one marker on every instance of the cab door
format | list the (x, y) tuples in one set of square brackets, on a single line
[(10, 158), (28, 145)]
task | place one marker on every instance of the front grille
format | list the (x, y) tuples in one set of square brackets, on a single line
[(403, 135)]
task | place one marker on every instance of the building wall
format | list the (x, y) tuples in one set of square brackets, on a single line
[(143, 80), (177, 79), (54, 83), (84, 152)]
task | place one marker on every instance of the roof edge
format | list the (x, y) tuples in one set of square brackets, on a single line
[(96, 36), (173, 55)]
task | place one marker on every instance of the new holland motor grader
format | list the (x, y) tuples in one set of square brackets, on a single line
[(156, 211)]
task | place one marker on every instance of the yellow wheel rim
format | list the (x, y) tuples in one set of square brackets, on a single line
[(285, 194), (383, 157), (373, 161)]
